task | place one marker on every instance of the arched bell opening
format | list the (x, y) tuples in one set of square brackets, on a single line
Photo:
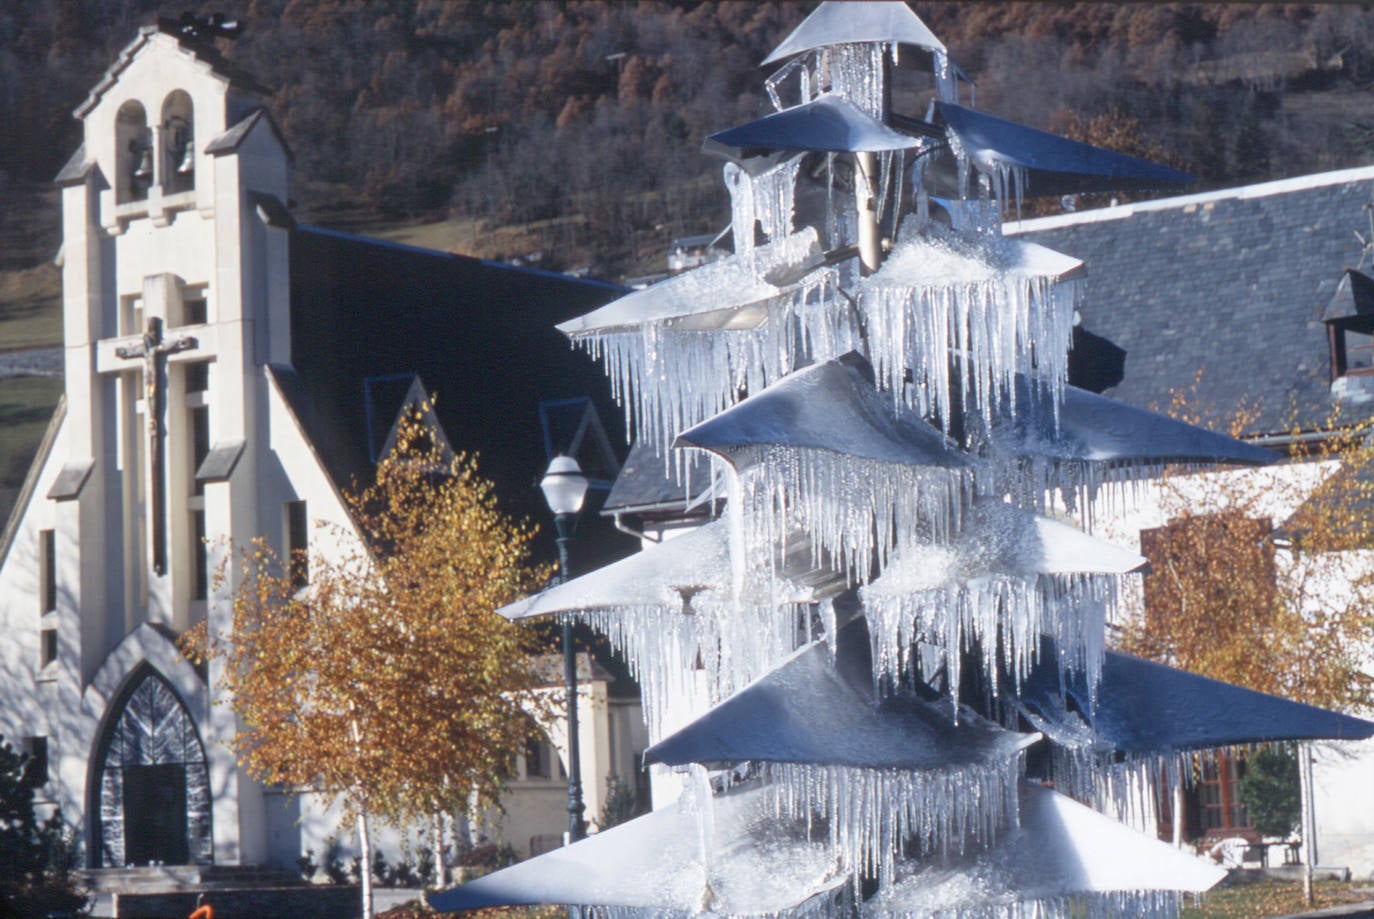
[(178, 148), (133, 153), (150, 788)]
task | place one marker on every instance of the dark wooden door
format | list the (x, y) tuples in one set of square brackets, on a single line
[(155, 815)]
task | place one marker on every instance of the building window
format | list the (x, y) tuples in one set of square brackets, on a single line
[(1222, 813), (200, 443), (541, 761), (195, 309), (36, 762), (1352, 346), (131, 314), (200, 552), (47, 646), (47, 570), (536, 760), (198, 377), (297, 544)]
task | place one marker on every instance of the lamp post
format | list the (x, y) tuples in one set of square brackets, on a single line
[(564, 487)]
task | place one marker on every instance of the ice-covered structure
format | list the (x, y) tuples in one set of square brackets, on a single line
[(901, 646)]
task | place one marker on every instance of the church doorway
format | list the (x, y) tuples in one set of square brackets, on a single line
[(152, 791)]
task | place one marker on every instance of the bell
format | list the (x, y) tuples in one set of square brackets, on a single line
[(144, 172), (188, 159)]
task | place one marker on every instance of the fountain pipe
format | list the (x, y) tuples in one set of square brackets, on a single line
[(866, 201)]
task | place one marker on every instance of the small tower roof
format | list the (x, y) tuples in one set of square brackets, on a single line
[(856, 23), (76, 168), (1354, 297), (230, 140)]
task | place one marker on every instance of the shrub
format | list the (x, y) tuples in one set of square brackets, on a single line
[(1270, 792)]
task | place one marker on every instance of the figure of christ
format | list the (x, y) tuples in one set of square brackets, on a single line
[(154, 352)]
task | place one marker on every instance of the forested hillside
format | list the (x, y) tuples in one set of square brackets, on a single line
[(582, 121)]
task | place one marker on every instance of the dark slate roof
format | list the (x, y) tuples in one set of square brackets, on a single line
[(480, 335), (1229, 284), (648, 484)]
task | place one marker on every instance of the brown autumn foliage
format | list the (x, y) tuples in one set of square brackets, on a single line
[(587, 117), (388, 682), (1287, 611)]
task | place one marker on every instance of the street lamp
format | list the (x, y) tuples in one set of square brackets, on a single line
[(564, 487)]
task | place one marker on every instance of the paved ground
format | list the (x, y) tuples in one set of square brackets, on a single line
[(1349, 911), (383, 898)]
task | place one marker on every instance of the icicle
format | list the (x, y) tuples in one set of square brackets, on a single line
[(765, 199), (946, 80), (1087, 487), (873, 813), (723, 643), (772, 84), (1144, 904), (741, 208), (855, 510), (829, 623), (856, 75), (885, 189), (918, 601), (669, 375), (898, 170), (699, 799), (1129, 788), (940, 295)]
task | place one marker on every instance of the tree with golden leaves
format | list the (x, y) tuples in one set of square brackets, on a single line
[(388, 682), (1284, 606)]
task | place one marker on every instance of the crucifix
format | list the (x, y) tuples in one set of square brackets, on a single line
[(154, 352)]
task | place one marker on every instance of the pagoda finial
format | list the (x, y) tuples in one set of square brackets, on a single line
[(857, 23)]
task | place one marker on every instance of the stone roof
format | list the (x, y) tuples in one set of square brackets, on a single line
[(1228, 288)]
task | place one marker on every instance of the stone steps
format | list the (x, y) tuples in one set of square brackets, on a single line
[(168, 878)]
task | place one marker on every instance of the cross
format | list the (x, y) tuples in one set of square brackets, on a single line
[(154, 352)]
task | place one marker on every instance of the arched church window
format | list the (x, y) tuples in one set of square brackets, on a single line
[(133, 153), (178, 143), (151, 785), (540, 760)]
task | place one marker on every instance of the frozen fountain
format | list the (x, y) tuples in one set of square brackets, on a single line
[(894, 631)]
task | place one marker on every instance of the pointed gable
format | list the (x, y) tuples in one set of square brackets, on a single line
[(168, 34)]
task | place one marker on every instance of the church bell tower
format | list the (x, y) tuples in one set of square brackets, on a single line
[(176, 300)]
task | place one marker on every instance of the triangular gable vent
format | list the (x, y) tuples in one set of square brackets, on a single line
[(417, 399), (573, 427)]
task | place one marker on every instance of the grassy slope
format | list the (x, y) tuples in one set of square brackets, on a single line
[(1275, 898), (26, 406), (30, 317)]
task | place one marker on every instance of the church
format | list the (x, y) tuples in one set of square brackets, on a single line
[(228, 375)]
